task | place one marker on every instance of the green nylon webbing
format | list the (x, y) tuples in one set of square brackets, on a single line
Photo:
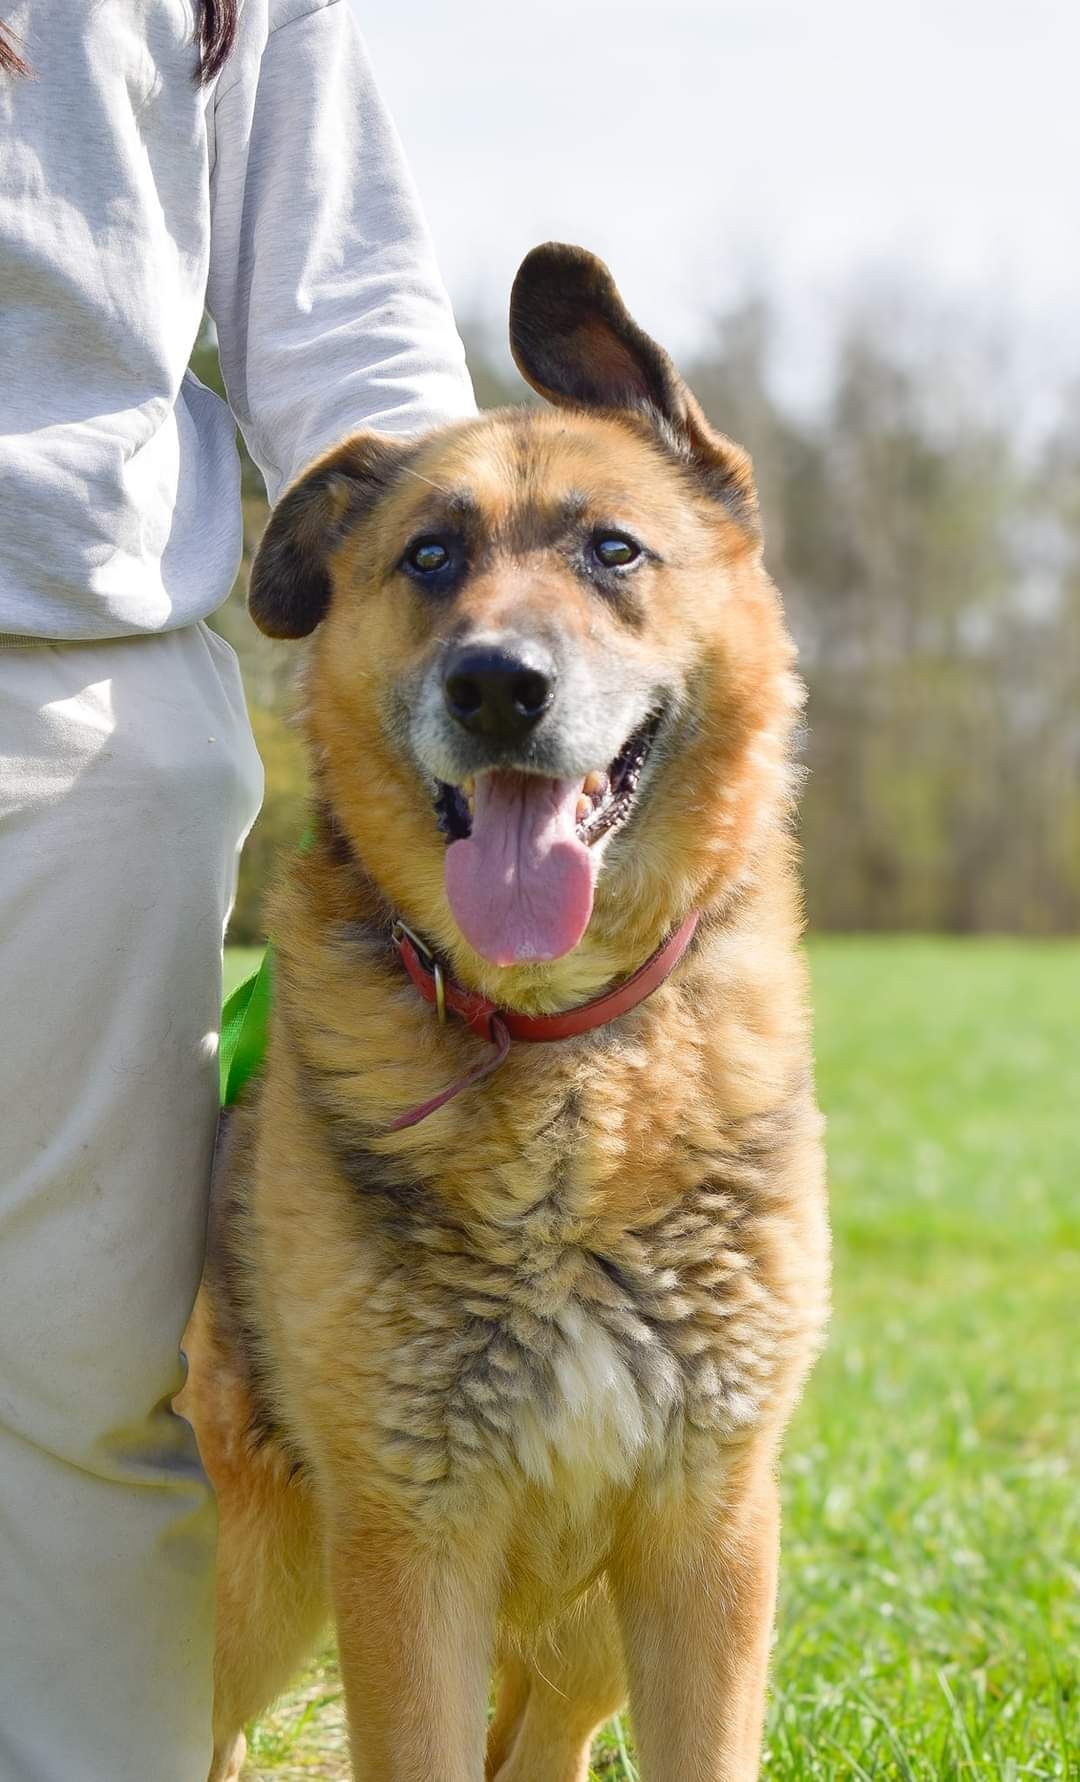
[(244, 1021)]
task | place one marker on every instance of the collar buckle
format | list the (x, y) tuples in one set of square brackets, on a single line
[(433, 966)]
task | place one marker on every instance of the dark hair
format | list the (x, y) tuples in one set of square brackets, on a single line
[(214, 33), (10, 60)]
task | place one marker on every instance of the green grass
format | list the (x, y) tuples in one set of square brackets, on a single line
[(929, 1622)]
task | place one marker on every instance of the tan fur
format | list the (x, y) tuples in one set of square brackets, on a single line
[(525, 1367)]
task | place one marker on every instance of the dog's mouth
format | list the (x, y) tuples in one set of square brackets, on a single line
[(521, 866), (604, 802)]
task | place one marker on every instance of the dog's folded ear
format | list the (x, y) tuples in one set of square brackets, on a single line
[(576, 343), (290, 588)]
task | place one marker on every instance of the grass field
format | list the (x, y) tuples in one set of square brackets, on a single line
[(930, 1613)]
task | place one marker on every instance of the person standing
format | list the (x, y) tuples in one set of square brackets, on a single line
[(152, 163)]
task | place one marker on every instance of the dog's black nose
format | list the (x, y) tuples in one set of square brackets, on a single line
[(494, 693)]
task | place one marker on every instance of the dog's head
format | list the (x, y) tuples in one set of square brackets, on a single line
[(551, 694)]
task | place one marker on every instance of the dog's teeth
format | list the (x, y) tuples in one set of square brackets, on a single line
[(468, 787), (596, 783), (584, 809)]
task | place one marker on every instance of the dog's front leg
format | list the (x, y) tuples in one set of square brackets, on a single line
[(695, 1586), (415, 1614)]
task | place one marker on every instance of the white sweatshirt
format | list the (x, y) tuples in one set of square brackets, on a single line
[(129, 198)]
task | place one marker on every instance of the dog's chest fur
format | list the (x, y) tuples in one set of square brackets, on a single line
[(572, 1351)]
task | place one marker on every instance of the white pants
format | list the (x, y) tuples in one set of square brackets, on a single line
[(128, 780)]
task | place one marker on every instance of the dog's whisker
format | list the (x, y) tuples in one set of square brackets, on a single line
[(425, 479)]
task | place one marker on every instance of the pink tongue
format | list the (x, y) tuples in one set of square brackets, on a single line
[(521, 885)]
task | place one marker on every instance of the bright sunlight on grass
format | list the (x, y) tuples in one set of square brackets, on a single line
[(930, 1611)]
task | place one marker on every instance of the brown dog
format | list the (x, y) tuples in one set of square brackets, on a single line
[(504, 1387)]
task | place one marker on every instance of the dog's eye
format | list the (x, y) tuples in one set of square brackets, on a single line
[(427, 555), (614, 550)]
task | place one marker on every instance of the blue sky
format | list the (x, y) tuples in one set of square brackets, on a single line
[(701, 145)]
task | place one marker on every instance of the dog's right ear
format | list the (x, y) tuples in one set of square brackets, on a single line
[(290, 587)]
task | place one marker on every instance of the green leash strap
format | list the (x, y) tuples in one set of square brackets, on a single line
[(245, 1019), (244, 1022)]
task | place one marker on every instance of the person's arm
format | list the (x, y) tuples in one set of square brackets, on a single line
[(323, 287)]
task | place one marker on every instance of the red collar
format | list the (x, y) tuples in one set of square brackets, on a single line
[(500, 1026)]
